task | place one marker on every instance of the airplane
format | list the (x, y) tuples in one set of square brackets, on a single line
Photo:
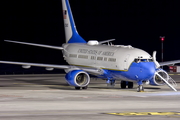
[(103, 60)]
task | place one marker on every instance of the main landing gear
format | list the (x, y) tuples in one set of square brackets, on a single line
[(125, 84), (84, 88), (110, 83)]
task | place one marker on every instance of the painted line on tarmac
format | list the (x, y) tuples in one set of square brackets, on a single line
[(174, 116), (173, 74), (31, 84), (144, 113)]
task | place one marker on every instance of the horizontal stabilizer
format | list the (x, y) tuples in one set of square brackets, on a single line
[(101, 42), (33, 44)]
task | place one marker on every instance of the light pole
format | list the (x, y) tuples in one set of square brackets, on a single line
[(162, 49)]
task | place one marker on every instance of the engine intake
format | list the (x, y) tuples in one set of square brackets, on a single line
[(156, 80), (77, 78)]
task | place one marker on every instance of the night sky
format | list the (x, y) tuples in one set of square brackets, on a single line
[(131, 22)]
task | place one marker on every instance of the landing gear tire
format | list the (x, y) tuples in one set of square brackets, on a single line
[(130, 85), (84, 88), (123, 84), (140, 88), (77, 88), (110, 83)]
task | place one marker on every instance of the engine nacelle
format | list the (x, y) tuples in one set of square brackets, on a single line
[(77, 78), (156, 80)]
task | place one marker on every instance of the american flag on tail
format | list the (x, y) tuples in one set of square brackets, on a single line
[(65, 14)]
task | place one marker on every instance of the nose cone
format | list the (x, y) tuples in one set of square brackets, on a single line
[(141, 71), (147, 70)]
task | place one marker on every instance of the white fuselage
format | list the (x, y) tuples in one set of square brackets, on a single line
[(114, 57)]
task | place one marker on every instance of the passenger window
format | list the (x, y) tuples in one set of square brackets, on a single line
[(112, 59), (93, 57), (83, 56), (105, 59), (99, 58), (73, 55)]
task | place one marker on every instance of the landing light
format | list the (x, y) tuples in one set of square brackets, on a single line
[(26, 66)]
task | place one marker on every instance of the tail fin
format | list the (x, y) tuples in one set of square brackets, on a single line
[(71, 33)]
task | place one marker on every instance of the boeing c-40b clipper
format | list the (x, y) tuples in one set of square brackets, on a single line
[(106, 61)]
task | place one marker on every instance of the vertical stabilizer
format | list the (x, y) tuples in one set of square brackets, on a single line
[(71, 33)]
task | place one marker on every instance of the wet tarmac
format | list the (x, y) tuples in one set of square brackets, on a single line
[(49, 97)]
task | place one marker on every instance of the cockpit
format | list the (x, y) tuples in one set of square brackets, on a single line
[(137, 60)]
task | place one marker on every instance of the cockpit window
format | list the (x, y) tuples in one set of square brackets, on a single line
[(137, 60), (143, 60), (150, 60)]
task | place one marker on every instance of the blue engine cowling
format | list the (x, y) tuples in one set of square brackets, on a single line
[(156, 80), (77, 78)]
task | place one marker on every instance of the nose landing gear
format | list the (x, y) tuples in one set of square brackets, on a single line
[(140, 88)]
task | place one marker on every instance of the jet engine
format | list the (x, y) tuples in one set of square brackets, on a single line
[(156, 80), (77, 78)]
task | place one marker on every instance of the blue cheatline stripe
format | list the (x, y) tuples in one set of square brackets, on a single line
[(136, 72), (76, 38)]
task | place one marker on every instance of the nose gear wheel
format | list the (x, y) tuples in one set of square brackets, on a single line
[(140, 88)]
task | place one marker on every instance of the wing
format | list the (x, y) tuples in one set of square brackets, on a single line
[(94, 71), (33, 44), (51, 66), (169, 62)]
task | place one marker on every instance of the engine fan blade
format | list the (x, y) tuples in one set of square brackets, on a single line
[(166, 82)]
